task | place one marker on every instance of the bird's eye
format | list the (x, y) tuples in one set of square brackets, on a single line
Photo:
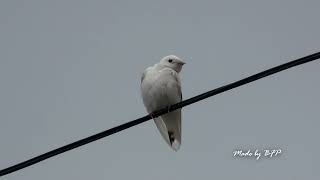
[(170, 60)]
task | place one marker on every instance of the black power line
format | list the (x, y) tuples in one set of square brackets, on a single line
[(158, 113)]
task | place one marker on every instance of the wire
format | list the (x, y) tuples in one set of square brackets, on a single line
[(158, 113)]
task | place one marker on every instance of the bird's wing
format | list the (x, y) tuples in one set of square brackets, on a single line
[(169, 124), (144, 73)]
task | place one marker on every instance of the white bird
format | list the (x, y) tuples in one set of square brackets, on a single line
[(160, 87)]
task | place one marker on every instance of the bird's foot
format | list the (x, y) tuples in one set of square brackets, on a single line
[(152, 115)]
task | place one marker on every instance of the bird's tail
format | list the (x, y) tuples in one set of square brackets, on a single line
[(169, 126)]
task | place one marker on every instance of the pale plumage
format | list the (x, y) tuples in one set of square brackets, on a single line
[(160, 87)]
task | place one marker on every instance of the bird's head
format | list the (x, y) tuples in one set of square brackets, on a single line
[(172, 62)]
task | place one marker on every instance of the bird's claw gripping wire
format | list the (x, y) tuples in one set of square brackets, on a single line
[(152, 115)]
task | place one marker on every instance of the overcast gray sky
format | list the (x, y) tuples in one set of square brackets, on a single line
[(69, 69)]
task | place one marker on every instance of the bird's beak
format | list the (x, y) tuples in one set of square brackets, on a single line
[(182, 63)]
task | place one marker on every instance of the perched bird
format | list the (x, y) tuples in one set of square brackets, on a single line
[(160, 87)]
